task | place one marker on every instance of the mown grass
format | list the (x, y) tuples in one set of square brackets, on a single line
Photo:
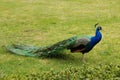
[(44, 22)]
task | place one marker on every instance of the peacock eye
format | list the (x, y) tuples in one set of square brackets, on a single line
[(100, 28)]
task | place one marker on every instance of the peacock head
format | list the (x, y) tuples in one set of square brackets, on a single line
[(98, 27)]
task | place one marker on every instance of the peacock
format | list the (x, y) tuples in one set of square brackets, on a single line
[(74, 44)]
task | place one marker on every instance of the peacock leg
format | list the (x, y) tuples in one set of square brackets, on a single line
[(83, 60)]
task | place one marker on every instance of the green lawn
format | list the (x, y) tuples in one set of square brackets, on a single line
[(45, 22)]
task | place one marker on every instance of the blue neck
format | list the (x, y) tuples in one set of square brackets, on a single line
[(94, 40), (98, 36)]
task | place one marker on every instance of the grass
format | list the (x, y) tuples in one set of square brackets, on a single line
[(44, 22)]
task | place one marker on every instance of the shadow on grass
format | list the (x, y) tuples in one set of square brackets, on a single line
[(63, 56)]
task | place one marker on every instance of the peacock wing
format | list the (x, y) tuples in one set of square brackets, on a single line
[(80, 44)]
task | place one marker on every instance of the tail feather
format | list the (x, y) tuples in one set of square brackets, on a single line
[(20, 51), (42, 51), (28, 48), (25, 47)]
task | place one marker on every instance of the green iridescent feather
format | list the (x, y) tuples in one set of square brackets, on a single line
[(47, 51)]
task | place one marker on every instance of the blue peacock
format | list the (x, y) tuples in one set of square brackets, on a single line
[(74, 44)]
